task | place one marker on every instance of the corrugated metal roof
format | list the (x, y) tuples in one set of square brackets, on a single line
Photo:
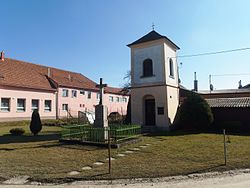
[(240, 102), (223, 91)]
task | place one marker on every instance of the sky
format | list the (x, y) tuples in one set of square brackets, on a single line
[(90, 36)]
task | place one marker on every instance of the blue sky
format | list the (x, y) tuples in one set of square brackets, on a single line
[(90, 36)]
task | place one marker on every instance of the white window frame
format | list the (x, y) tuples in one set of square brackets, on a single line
[(65, 105), (171, 68), (21, 108), (111, 99), (34, 108), (47, 109), (89, 95), (125, 99), (98, 96), (5, 108), (65, 93), (74, 93), (117, 99)]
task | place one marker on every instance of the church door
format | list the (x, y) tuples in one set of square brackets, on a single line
[(150, 112)]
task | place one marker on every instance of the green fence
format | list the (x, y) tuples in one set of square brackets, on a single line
[(86, 133)]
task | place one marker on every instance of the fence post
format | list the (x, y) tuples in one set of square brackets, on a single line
[(225, 147), (109, 150)]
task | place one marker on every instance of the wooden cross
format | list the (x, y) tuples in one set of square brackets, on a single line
[(101, 86)]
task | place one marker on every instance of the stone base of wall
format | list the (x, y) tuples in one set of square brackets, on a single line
[(23, 118)]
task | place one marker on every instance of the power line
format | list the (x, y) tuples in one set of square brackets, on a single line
[(214, 53), (238, 74)]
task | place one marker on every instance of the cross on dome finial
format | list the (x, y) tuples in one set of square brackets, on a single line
[(153, 26)]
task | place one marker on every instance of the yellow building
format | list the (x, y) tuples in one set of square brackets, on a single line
[(154, 81)]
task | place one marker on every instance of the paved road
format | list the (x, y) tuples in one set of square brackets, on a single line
[(239, 180)]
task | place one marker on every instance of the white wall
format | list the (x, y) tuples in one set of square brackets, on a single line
[(155, 53), (170, 53)]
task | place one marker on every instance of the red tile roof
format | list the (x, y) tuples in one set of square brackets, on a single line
[(115, 91), (22, 74), (28, 75)]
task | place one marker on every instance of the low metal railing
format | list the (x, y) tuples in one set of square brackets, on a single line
[(86, 133)]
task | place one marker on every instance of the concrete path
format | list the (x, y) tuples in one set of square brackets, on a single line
[(230, 179)]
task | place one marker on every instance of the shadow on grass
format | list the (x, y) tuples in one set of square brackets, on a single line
[(99, 175), (219, 167), (69, 146), (8, 139), (190, 132)]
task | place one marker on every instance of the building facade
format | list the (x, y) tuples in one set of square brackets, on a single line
[(54, 92), (154, 81)]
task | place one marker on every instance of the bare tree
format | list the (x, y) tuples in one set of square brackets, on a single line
[(126, 90), (127, 84)]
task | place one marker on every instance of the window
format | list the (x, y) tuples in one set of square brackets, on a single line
[(20, 105), (74, 93), (117, 99), (124, 99), (5, 104), (147, 68), (47, 105), (111, 98), (34, 104), (82, 92), (171, 68), (65, 93), (65, 107), (97, 95), (89, 94)]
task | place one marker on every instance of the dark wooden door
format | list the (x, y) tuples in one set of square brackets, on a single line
[(149, 112)]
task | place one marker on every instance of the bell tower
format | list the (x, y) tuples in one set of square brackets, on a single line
[(154, 81)]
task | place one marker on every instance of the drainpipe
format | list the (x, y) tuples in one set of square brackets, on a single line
[(57, 114)]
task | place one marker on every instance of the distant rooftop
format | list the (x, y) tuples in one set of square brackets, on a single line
[(151, 36), (239, 102), (246, 86), (221, 91)]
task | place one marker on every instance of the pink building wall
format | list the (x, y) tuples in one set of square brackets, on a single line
[(75, 104), (83, 103), (115, 106), (28, 94)]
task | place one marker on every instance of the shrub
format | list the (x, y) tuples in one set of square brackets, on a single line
[(17, 131), (115, 117), (35, 124), (52, 122), (194, 114), (231, 126)]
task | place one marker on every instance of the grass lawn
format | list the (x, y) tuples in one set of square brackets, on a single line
[(167, 155), (6, 126)]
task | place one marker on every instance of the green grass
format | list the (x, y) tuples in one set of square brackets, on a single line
[(177, 154), (6, 126)]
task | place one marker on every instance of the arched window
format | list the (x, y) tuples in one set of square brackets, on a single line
[(171, 68), (147, 68)]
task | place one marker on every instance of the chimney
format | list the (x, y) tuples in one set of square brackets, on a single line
[(2, 56), (69, 77), (195, 83), (240, 85), (49, 72)]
